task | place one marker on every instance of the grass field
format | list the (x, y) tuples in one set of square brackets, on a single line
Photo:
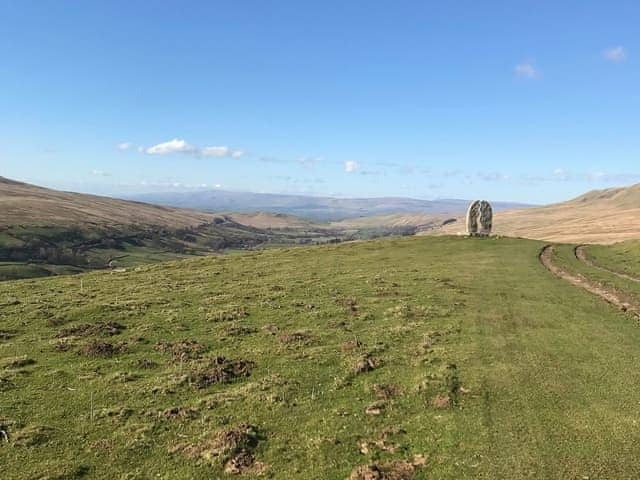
[(428, 357)]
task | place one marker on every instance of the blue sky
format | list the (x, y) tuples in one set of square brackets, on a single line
[(532, 101)]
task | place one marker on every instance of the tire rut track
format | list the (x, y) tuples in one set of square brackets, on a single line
[(581, 254), (609, 295)]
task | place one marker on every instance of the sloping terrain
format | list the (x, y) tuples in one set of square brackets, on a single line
[(600, 216), (46, 232), (24, 204), (415, 358)]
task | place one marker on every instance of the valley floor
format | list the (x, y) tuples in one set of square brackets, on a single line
[(422, 357)]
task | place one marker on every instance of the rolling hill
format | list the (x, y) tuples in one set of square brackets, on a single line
[(46, 232), (322, 209), (25, 204), (600, 216)]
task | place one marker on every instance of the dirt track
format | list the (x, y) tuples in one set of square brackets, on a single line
[(582, 255), (608, 294)]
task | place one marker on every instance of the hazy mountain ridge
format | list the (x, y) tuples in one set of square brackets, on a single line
[(315, 208)]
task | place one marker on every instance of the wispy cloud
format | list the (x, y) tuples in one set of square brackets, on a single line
[(527, 71), (351, 166), (309, 162), (99, 173), (125, 146), (181, 146), (615, 54)]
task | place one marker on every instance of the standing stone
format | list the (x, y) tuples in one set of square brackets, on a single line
[(472, 218), (479, 219), (486, 219)]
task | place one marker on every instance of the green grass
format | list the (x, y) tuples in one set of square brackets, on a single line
[(565, 257), (550, 371), (622, 257)]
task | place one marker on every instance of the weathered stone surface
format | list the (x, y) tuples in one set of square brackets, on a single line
[(479, 218), (486, 218), (472, 218)]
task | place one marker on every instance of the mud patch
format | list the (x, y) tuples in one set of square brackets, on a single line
[(98, 348), (366, 363), (386, 391), (86, 329), (230, 448), (238, 330), (220, 370), (179, 413), (395, 470), (183, 350)]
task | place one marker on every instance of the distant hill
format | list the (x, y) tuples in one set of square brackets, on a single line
[(599, 216), (323, 209), (25, 204), (48, 232)]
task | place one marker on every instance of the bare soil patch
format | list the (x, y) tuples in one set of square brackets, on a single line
[(220, 370), (86, 329), (189, 349), (98, 348), (231, 448)]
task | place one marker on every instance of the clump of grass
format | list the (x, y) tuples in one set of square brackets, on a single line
[(182, 350), (16, 362), (295, 338), (32, 436), (406, 311), (146, 364), (234, 312), (351, 345)]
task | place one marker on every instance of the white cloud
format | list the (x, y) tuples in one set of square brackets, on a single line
[(125, 146), (309, 162), (526, 70), (181, 146), (172, 146), (615, 54), (350, 166), (99, 173), (214, 151), (560, 174)]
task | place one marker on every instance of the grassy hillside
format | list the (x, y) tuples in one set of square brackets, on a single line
[(420, 358), (45, 232), (30, 205), (601, 216)]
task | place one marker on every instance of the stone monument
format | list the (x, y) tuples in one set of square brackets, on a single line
[(479, 219)]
